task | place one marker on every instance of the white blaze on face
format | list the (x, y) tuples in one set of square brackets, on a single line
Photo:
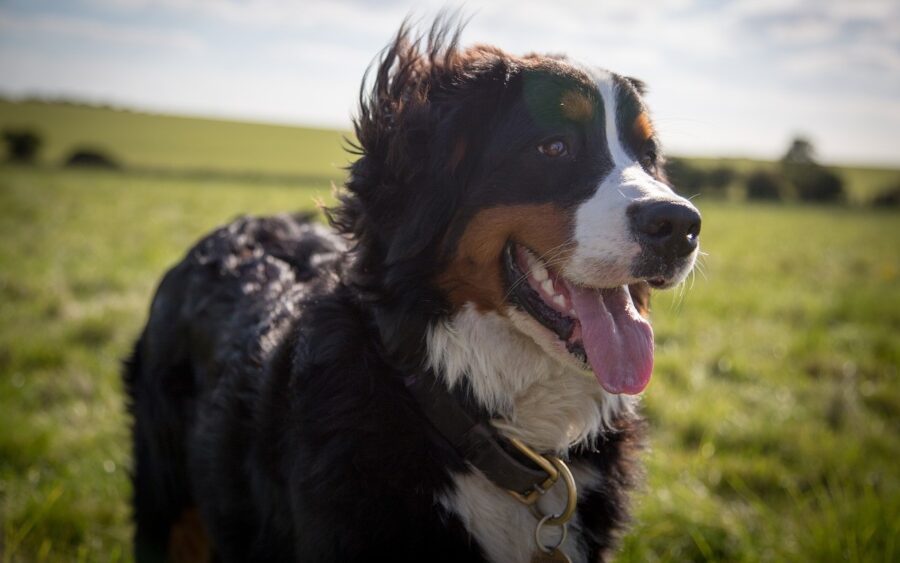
[(606, 247)]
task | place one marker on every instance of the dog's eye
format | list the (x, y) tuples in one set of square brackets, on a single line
[(553, 148)]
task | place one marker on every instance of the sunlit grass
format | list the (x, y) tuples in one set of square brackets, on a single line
[(773, 405), (774, 409), (80, 254)]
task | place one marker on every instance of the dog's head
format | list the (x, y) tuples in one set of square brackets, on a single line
[(531, 187)]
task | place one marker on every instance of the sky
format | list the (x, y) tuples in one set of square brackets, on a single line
[(726, 78)]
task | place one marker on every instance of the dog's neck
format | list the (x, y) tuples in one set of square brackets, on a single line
[(535, 398)]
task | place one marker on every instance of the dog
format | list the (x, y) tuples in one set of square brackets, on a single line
[(448, 372)]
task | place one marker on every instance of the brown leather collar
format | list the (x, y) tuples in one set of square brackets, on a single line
[(475, 439)]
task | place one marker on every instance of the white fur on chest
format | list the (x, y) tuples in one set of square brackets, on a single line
[(539, 400)]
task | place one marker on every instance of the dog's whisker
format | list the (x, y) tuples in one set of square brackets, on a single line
[(701, 265), (703, 273)]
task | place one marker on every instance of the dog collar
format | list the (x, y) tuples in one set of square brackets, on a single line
[(507, 462)]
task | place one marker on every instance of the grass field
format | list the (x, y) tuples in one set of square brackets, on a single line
[(774, 409)]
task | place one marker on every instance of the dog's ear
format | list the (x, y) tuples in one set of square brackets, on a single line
[(640, 295), (447, 136), (422, 117), (425, 114), (395, 96), (639, 85), (389, 127)]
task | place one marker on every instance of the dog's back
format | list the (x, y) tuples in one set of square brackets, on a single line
[(224, 307), (267, 426)]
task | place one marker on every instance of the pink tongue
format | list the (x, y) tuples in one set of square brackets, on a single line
[(617, 340)]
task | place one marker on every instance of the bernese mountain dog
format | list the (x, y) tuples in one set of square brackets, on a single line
[(448, 372)]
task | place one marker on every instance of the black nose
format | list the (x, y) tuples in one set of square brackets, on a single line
[(669, 228)]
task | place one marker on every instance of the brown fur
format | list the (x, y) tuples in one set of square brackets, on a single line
[(642, 129), (188, 541), (577, 106), (474, 273)]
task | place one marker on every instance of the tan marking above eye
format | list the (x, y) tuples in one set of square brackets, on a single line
[(474, 274), (577, 106), (642, 129)]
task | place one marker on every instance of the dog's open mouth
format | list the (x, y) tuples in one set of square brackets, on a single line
[(599, 326)]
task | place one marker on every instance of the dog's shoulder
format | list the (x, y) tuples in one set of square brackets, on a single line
[(340, 432), (232, 297)]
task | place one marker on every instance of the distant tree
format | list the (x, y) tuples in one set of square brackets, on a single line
[(686, 177), (763, 185), (820, 185), (888, 198), (811, 181), (800, 152), (719, 178), (22, 145), (91, 158)]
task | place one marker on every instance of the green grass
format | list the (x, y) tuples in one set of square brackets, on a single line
[(774, 409), (80, 254), (775, 401), (165, 142)]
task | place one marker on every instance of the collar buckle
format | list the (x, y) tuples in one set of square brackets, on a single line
[(554, 468)]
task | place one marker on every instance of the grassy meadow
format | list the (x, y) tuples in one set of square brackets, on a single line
[(774, 409)]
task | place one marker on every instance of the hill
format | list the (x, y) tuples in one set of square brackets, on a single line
[(166, 143), (163, 142)]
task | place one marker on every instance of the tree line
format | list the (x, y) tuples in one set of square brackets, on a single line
[(797, 176)]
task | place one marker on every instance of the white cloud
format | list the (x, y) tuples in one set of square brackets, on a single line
[(98, 32), (317, 54), (276, 14), (853, 61), (805, 31)]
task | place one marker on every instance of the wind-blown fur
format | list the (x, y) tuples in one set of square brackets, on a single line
[(267, 388)]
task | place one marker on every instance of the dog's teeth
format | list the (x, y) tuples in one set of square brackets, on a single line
[(539, 272), (547, 286), (559, 300)]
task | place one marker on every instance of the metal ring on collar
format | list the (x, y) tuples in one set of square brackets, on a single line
[(571, 496), (537, 535)]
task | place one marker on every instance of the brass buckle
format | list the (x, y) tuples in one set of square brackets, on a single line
[(542, 462), (554, 468)]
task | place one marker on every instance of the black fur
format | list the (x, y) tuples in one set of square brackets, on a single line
[(267, 387)]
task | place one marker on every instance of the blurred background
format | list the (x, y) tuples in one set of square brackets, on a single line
[(132, 127)]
